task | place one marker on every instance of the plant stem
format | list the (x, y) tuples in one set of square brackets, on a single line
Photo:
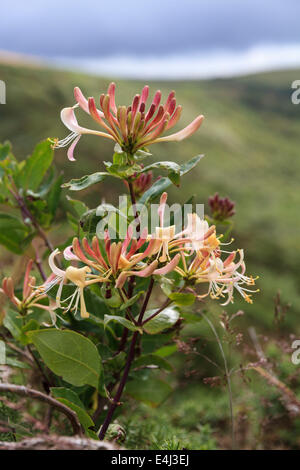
[(165, 305), (130, 357), (136, 214), (132, 278), (26, 213), (35, 394), (47, 383)]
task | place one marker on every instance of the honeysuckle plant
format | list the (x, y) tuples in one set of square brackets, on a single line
[(104, 290)]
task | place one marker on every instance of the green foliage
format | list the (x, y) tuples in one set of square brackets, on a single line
[(70, 398), (33, 170), (14, 234), (166, 319), (69, 355), (122, 321), (85, 181)]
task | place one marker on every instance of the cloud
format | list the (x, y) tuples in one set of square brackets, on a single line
[(97, 28), (218, 63)]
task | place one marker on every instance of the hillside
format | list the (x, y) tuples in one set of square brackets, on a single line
[(251, 139)]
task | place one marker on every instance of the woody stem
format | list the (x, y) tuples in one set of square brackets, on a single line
[(131, 354)]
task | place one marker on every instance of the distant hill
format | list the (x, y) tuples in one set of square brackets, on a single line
[(251, 138)]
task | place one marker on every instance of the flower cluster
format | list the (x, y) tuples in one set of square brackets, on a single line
[(132, 127), (221, 207), (31, 296), (194, 253)]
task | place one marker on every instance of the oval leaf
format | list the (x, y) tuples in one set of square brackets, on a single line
[(85, 181), (122, 321), (181, 299), (165, 319)]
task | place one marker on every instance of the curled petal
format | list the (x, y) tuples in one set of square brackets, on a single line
[(81, 100), (69, 255), (57, 271), (69, 119), (169, 267), (70, 153), (143, 273)]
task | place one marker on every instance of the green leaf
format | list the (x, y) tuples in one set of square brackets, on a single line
[(169, 166), (67, 394), (165, 319), (5, 150), (191, 317), (141, 154), (152, 360), (71, 399), (167, 350), (14, 323), (183, 300), (151, 391), (173, 170), (69, 355), (79, 207), (186, 167), (11, 361), (122, 321), (122, 171), (13, 233), (174, 177), (120, 158), (54, 195), (32, 173), (85, 181), (132, 300)]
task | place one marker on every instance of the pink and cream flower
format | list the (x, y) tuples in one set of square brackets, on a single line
[(132, 127), (31, 296), (222, 277)]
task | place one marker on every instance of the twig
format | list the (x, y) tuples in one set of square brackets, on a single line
[(130, 357), (136, 214), (35, 394), (291, 401)]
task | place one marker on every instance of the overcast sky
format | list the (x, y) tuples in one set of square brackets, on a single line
[(87, 31)]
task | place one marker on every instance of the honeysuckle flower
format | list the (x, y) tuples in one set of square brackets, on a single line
[(80, 277), (132, 127), (31, 296), (197, 235), (122, 259)]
